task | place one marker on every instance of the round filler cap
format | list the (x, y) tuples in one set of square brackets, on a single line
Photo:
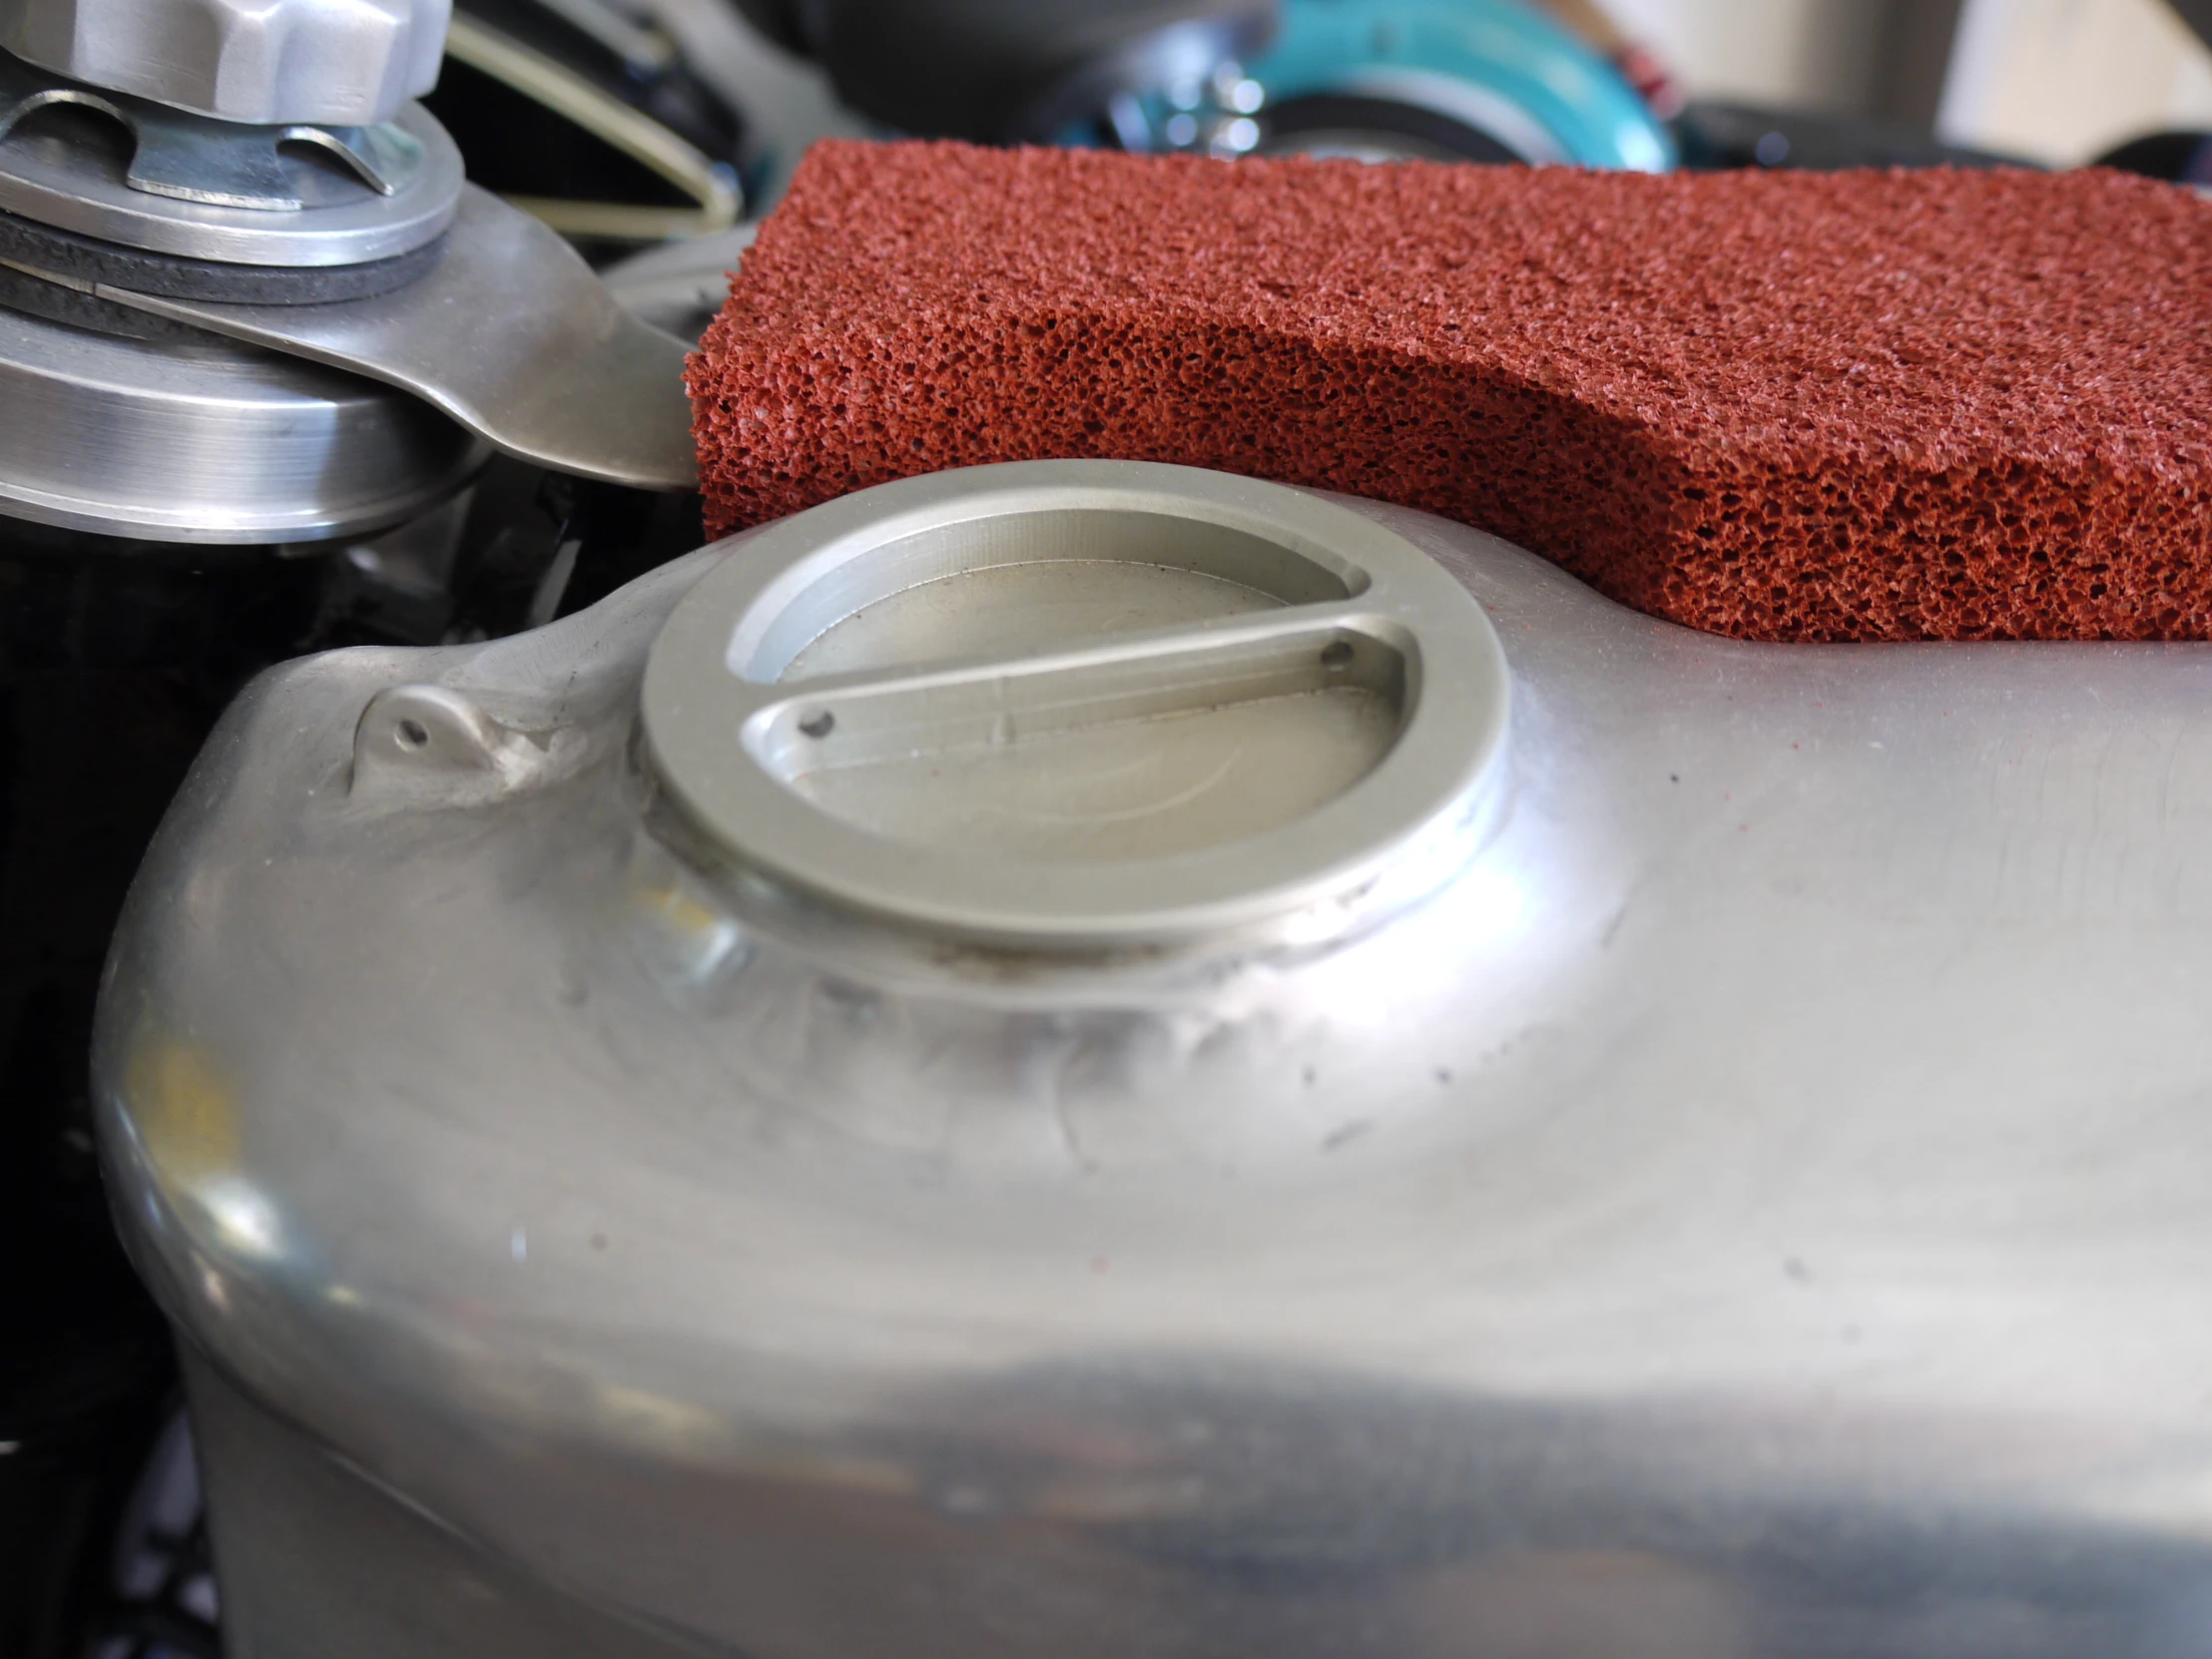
[(1081, 704)]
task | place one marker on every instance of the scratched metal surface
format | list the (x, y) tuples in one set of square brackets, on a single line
[(1757, 1210)]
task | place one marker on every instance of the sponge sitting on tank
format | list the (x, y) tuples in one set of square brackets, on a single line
[(1781, 406)]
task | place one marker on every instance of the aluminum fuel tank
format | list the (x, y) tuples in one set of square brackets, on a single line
[(1087, 1059)]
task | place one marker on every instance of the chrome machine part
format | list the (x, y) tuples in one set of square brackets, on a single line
[(207, 441), (1211, 113), (64, 260), (1491, 80), (994, 70), (1751, 1210), (1466, 80), (679, 288), (168, 182), (1410, 115), (325, 63), (510, 334), (199, 159), (1060, 706)]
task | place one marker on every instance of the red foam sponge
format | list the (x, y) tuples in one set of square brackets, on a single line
[(1783, 406)]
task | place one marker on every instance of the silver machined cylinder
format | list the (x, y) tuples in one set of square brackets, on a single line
[(211, 443)]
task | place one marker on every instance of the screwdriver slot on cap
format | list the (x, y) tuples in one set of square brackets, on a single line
[(1075, 703)]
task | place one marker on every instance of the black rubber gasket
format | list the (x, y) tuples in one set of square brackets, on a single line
[(171, 276), (36, 297)]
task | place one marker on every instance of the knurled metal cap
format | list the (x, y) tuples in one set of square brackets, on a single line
[(329, 62)]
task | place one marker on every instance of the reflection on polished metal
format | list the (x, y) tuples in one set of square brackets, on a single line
[(1196, 705), (209, 442), (679, 288), (510, 334), (198, 159), (1754, 1210), (1189, 54), (329, 62), (209, 190)]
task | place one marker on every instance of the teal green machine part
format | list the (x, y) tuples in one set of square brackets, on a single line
[(1455, 79), (1500, 68)]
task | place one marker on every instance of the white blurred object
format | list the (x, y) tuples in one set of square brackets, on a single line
[(1815, 53), (2064, 81)]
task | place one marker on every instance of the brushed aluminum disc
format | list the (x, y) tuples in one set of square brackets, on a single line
[(209, 441)]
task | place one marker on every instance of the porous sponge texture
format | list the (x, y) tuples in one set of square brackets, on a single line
[(1781, 406)]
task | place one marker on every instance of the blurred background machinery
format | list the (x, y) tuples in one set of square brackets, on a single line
[(260, 340), (629, 125), (1481, 80)]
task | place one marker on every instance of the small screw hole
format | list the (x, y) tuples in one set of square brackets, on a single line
[(413, 734), (1335, 654), (818, 726)]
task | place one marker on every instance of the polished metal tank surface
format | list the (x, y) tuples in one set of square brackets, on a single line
[(201, 440), (1747, 1201)]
